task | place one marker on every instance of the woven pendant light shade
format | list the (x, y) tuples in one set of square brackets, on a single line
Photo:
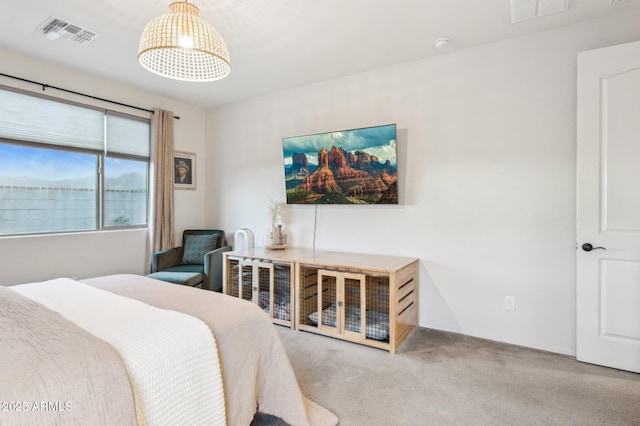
[(182, 46)]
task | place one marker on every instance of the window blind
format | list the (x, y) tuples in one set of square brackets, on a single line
[(25, 117), (128, 135), (36, 119)]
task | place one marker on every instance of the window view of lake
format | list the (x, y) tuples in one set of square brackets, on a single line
[(48, 190)]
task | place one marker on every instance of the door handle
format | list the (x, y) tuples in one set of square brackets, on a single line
[(589, 247)]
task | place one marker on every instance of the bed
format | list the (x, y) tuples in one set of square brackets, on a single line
[(55, 370)]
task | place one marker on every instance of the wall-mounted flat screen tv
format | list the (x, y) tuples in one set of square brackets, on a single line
[(355, 166)]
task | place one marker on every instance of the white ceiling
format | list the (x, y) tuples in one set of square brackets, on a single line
[(277, 44)]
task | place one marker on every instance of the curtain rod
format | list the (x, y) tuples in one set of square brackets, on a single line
[(45, 86)]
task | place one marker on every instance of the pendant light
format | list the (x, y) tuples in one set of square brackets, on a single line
[(180, 45)]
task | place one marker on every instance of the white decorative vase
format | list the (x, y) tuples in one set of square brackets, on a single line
[(278, 236)]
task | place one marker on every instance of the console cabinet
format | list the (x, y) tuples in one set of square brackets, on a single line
[(372, 300), (265, 277), (367, 299)]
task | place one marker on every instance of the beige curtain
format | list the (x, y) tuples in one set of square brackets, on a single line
[(160, 235)]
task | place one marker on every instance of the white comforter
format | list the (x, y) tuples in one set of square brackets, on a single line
[(171, 358)]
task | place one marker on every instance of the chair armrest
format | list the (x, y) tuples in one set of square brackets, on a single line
[(213, 269), (162, 260)]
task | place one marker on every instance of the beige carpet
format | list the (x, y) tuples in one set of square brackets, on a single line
[(440, 378)]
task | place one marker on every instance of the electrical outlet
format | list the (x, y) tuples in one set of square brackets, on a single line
[(510, 303)]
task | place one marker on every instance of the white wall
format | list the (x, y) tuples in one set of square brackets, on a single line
[(486, 146), (82, 255)]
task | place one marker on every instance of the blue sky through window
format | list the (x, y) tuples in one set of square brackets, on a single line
[(48, 164), (51, 164)]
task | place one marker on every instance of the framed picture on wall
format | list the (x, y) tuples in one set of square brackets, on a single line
[(184, 164)]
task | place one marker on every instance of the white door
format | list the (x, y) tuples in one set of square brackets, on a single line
[(608, 207)]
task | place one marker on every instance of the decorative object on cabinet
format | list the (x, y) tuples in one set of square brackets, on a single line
[(243, 239), (274, 235), (277, 247)]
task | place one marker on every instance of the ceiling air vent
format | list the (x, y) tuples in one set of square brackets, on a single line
[(54, 28), (523, 10)]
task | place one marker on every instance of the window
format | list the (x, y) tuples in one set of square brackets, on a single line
[(125, 192), (66, 167)]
